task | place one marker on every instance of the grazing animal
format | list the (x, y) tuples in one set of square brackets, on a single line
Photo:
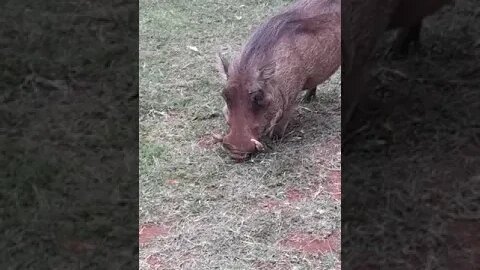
[(295, 50), (363, 24)]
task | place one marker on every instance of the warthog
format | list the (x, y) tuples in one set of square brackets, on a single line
[(293, 51), (363, 24)]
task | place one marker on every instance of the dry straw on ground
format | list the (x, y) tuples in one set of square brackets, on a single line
[(277, 211)]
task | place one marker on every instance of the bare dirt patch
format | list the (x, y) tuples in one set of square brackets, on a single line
[(295, 195), (292, 196), (155, 262), (150, 232), (334, 184)]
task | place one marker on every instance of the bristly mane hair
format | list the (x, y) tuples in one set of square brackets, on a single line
[(290, 23)]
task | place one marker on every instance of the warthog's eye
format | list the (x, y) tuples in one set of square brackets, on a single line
[(258, 99)]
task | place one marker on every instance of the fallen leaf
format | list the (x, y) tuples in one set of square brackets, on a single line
[(193, 48)]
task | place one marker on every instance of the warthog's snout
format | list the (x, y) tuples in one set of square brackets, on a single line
[(239, 149)]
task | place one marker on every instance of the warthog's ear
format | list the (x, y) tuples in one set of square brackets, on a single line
[(266, 72), (222, 66)]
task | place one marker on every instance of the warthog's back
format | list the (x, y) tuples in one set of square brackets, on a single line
[(323, 49), (315, 54), (303, 41)]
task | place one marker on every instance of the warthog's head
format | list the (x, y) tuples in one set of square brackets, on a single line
[(249, 108)]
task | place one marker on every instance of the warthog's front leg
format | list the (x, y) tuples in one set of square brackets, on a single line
[(282, 124), (310, 95)]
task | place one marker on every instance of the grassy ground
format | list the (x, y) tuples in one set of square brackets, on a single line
[(420, 163), (198, 209)]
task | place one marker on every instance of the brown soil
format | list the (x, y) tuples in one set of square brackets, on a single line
[(155, 262), (334, 185), (150, 232)]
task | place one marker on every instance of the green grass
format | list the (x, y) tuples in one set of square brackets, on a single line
[(212, 208)]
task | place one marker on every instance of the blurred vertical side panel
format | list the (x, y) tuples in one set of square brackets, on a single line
[(69, 134), (411, 146)]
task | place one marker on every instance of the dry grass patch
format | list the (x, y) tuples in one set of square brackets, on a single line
[(213, 206)]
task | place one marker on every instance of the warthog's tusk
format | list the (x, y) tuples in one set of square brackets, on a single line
[(225, 111), (258, 145), (217, 137)]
